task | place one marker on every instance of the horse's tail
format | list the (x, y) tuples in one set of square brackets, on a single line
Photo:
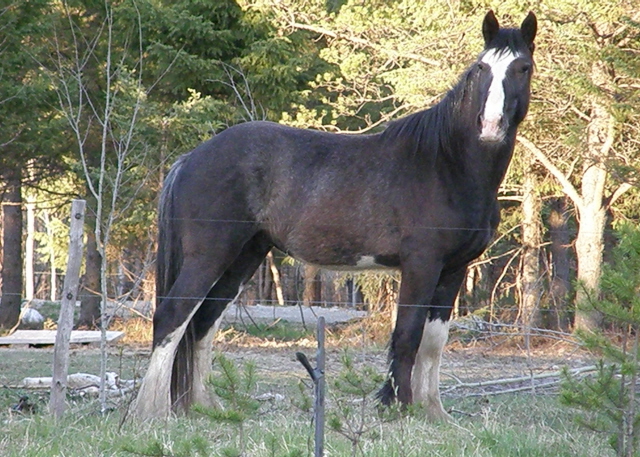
[(169, 262), (169, 255)]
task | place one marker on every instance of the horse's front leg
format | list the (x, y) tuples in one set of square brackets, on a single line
[(419, 280), (425, 378)]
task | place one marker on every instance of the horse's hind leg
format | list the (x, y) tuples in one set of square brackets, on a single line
[(188, 389), (170, 321), (198, 274)]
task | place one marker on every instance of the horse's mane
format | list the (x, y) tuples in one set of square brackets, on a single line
[(428, 133)]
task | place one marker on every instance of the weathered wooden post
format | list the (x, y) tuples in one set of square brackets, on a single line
[(317, 375), (57, 403)]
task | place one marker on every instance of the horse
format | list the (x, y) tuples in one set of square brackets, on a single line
[(419, 197)]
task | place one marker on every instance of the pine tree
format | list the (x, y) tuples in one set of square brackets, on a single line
[(609, 399)]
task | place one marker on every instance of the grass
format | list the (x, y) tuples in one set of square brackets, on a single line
[(506, 425), (496, 426), (281, 430)]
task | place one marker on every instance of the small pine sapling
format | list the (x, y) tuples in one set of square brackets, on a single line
[(236, 391), (353, 394)]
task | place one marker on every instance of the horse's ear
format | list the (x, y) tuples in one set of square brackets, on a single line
[(490, 28), (528, 29)]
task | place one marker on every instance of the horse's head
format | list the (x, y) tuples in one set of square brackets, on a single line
[(502, 77)]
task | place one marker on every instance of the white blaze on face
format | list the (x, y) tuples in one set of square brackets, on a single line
[(498, 62)]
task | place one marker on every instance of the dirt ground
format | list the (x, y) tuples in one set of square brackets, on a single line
[(469, 367), (476, 368), (465, 371)]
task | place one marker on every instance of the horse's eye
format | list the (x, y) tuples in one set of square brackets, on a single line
[(525, 68), (482, 66)]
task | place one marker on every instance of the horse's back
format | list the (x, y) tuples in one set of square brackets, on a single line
[(265, 162)]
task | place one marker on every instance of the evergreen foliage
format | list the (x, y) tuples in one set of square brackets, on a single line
[(236, 390), (610, 398), (29, 131)]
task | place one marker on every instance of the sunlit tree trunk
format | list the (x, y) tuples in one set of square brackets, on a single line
[(275, 273), (592, 211), (29, 249), (52, 254)]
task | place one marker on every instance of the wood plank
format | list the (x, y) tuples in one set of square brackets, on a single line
[(49, 337)]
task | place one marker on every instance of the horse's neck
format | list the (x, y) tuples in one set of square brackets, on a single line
[(496, 163), (484, 166)]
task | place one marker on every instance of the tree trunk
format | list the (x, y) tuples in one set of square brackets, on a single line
[(312, 286), (592, 211), (265, 286), (29, 275), (589, 249), (275, 273), (90, 295), (530, 287), (559, 265), (12, 253), (52, 255)]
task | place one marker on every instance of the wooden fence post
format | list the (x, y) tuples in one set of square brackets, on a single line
[(317, 375), (57, 403)]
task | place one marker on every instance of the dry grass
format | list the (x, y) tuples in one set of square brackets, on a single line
[(373, 329), (137, 331)]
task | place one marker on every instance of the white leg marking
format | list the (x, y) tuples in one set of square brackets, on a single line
[(202, 366), (154, 397), (202, 361), (494, 107), (425, 378)]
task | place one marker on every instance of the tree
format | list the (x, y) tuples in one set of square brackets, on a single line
[(12, 253), (26, 135), (559, 264), (599, 120), (609, 400), (530, 276)]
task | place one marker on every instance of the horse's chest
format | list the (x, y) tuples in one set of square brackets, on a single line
[(478, 240), (469, 243)]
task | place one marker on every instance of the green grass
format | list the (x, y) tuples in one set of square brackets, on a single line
[(497, 426), (16, 364), (497, 430)]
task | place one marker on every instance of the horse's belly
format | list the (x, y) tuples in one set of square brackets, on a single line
[(364, 263)]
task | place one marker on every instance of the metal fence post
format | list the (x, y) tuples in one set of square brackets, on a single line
[(317, 375)]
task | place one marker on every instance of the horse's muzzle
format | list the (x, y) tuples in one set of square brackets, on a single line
[(492, 130)]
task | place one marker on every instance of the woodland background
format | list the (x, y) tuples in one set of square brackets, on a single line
[(98, 98)]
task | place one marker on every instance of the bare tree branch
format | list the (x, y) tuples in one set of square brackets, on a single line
[(567, 187), (620, 190)]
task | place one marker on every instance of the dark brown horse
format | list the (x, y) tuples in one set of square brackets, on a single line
[(420, 197)]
